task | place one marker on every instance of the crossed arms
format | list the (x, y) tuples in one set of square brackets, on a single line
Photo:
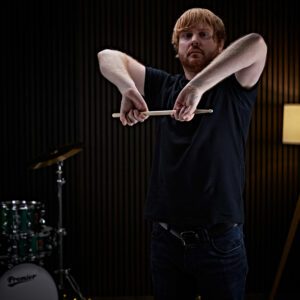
[(245, 58)]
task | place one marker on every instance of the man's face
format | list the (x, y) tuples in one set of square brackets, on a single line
[(197, 48)]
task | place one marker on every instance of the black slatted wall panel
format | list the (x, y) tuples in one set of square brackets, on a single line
[(272, 185), (39, 104), (53, 94)]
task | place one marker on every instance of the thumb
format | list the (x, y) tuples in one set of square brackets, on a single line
[(179, 101), (123, 118), (140, 103)]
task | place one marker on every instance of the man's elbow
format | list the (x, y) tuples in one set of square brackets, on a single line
[(105, 59), (103, 54), (259, 44), (99, 55)]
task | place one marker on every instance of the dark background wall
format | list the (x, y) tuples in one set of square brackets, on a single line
[(52, 94)]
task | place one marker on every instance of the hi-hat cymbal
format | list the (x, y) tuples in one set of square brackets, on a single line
[(56, 155)]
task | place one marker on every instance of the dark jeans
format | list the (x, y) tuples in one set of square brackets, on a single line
[(215, 269)]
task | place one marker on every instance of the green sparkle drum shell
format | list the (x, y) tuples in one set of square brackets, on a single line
[(25, 224), (4, 218), (22, 246), (27, 245), (13, 216)]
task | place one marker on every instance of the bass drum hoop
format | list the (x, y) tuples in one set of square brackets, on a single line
[(27, 282)]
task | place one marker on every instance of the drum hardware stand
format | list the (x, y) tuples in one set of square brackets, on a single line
[(63, 273)]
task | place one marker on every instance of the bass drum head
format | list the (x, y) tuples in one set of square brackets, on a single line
[(27, 282)]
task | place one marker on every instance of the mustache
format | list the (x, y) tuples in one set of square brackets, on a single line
[(195, 49)]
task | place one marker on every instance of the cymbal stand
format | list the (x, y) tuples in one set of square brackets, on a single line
[(61, 232)]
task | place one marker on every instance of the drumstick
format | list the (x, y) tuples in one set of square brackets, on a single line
[(166, 112)]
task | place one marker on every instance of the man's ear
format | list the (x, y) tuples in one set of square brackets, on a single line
[(220, 46)]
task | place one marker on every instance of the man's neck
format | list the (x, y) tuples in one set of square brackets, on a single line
[(190, 75)]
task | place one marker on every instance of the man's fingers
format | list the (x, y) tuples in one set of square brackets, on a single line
[(179, 113), (182, 113), (189, 118), (185, 113), (139, 116), (131, 106), (130, 118), (123, 118), (188, 112)]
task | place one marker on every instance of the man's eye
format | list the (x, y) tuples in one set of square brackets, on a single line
[(204, 35), (187, 35)]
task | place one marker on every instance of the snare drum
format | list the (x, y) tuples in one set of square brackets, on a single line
[(27, 282)]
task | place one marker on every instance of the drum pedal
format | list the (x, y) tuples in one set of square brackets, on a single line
[(71, 281)]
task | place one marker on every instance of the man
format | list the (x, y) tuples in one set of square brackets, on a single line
[(195, 191)]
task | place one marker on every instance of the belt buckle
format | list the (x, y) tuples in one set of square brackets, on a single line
[(189, 237)]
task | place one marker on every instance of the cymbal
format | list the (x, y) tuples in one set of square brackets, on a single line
[(57, 155)]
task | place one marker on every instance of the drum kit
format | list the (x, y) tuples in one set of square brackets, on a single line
[(26, 241)]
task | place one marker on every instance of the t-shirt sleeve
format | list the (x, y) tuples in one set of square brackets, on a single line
[(155, 84)]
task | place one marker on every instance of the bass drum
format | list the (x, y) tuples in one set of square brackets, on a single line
[(27, 282)]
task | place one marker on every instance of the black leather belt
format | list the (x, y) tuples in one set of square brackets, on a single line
[(197, 235)]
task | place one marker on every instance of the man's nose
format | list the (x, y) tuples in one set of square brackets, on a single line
[(195, 40)]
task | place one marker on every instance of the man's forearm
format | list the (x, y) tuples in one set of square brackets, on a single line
[(113, 66), (240, 55)]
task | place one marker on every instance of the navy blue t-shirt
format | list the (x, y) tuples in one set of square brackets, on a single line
[(198, 167)]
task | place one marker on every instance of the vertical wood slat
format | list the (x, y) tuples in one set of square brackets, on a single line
[(53, 94)]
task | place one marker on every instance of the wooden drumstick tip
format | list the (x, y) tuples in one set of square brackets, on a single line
[(166, 112)]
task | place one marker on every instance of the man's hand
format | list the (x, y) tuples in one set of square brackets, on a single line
[(131, 106), (186, 103)]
